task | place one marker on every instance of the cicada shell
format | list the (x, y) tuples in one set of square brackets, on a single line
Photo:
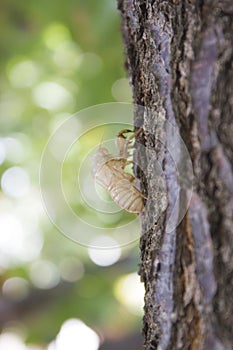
[(110, 173)]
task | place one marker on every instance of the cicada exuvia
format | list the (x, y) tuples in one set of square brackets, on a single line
[(110, 172)]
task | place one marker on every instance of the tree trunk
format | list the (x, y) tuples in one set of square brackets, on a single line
[(179, 55)]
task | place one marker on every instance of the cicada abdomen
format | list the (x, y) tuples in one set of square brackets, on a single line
[(127, 196)]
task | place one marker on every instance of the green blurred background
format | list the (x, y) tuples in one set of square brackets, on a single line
[(56, 59)]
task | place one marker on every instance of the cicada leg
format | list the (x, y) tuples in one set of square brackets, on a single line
[(124, 144)]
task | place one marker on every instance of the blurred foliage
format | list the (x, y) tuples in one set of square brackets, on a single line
[(56, 58)]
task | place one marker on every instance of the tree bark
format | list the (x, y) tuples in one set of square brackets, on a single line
[(179, 55)]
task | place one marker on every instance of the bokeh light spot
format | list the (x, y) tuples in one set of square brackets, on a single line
[(13, 149), (75, 334), (52, 96), (17, 244), (104, 256), (67, 55), (55, 34), (71, 269), (130, 292), (15, 288), (15, 182), (121, 90), (44, 274), (11, 341), (23, 74)]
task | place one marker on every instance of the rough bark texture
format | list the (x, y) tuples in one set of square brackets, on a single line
[(179, 55)]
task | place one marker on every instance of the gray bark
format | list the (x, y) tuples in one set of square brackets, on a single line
[(179, 55)]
